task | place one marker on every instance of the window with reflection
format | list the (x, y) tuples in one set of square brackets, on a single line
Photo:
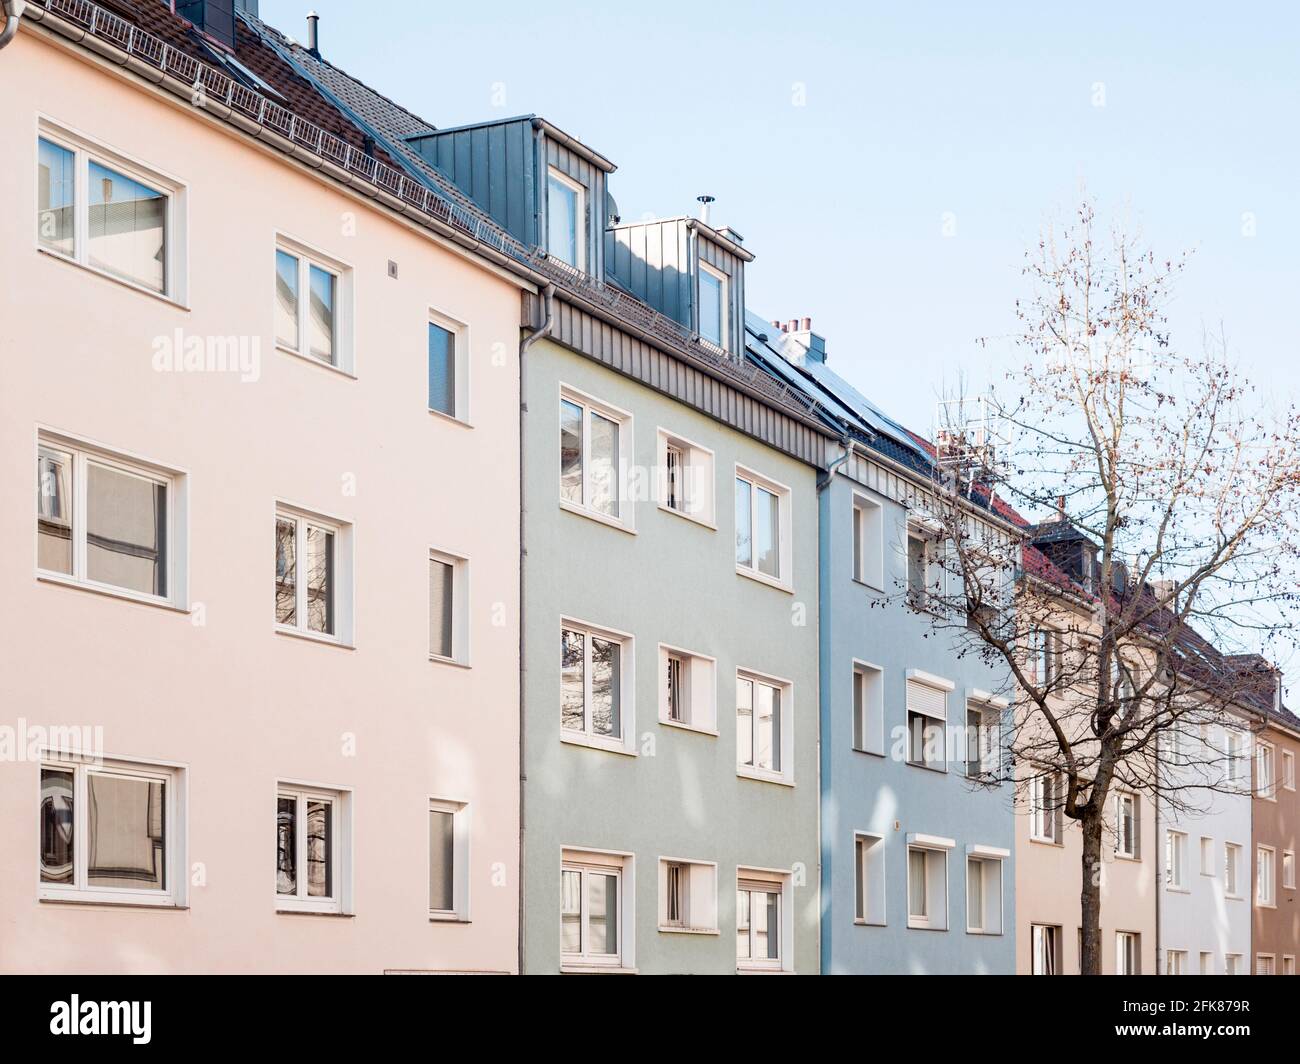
[(759, 725), (591, 457), (308, 306), (308, 842), (565, 222), (713, 310), (306, 561), (761, 540), (591, 683)]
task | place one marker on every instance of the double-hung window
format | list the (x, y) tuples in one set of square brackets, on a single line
[(104, 212), (763, 727), (109, 522), (448, 860), (312, 849), (595, 441), (762, 528), (111, 832), (713, 305), (312, 575), (760, 920), (595, 686), (1127, 826), (313, 301)]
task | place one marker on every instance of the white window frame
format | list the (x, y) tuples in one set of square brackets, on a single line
[(461, 832), (1176, 847), (868, 735), (1045, 650), (785, 776), (601, 862), (1176, 958), (991, 862), (989, 735), (1207, 867), (1232, 871), (1288, 770), (784, 580), (870, 879), (1038, 800), (1288, 870), (1133, 852), (1265, 771), (460, 333), (700, 901), (1265, 886), (1122, 954), (1232, 964), (340, 848), (922, 530), (1206, 962), (344, 346), (937, 904), (944, 688), (1288, 964), (700, 685), (580, 235), (623, 418), (84, 453), (175, 236), (868, 531), (460, 611), (175, 780), (343, 575), (1039, 934), (1268, 960), (701, 502), (724, 304), (624, 743), (782, 882)]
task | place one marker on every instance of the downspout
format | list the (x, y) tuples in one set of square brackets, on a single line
[(826, 476), (1160, 872), (13, 12), (548, 302)]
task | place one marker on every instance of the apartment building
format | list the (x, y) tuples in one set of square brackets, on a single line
[(262, 592)]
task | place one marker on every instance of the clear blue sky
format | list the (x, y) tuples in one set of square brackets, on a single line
[(910, 113)]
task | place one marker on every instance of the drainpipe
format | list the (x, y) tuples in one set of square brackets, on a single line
[(548, 302), (824, 478), (13, 12)]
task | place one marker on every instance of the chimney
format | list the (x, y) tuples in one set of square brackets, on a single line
[(704, 202), (800, 331), (1060, 507), (313, 33), (214, 18)]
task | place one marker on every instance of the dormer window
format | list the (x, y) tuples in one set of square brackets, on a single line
[(713, 302), (565, 214)]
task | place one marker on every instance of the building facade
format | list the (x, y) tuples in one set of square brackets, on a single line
[(1275, 811)]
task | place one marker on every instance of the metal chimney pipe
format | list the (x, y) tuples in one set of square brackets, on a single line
[(313, 33), (704, 202)]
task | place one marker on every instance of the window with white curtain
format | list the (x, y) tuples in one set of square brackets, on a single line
[(1207, 856), (1288, 870), (1232, 870), (927, 887), (984, 894)]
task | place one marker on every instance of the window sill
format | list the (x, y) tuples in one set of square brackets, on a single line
[(449, 918), (1045, 842), (313, 360), (1128, 857), (911, 926), (984, 934), (110, 592), (869, 753), (667, 930), (312, 637), (929, 768), (1265, 905), (120, 282), (591, 743), (442, 415), (859, 922), (595, 969), (683, 726), (1177, 890), (164, 905), (760, 969), (763, 578), (710, 525), (334, 913), (1234, 897), (763, 777), (868, 587), (436, 659), (597, 516)]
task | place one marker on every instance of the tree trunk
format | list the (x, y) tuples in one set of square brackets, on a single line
[(1090, 895)]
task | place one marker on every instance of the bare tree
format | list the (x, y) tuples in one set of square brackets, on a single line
[(1121, 618)]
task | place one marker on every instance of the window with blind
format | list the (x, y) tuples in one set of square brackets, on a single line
[(448, 343), (926, 725), (760, 916)]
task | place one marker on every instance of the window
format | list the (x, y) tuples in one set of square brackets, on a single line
[(1176, 860), (111, 832), (922, 578), (1264, 780), (763, 732), (984, 891), (1045, 949), (1046, 803), (448, 860), (109, 522), (1288, 870), (1265, 877), (761, 924), (312, 873), (1288, 770), (313, 301), (1288, 965), (1128, 953), (868, 708), (566, 219), (926, 717), (713, 305), (1232, 964), (983, 740), (592, 917), (1127, 826), (593, 457), (688, 690), (869, 879), (448, 608), (1207, 962), (448, 368), (868, 542), (686, 481), (312, 576), (762, 528), (595, 685), (1207, 856), (1044, 656), (1234, 755), (1175, 962), (927, 882), (104, 212), (688, 896), (1231, 870), (1264, 964)]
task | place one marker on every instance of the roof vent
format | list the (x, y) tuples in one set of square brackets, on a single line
[(313, 33), (704, 202)]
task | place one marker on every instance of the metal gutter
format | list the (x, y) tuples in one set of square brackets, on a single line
[(13, 14)]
